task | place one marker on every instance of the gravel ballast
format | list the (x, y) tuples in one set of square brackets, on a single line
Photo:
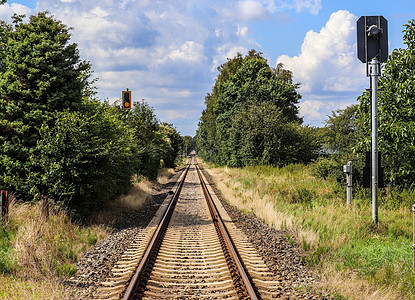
[(284, 260)]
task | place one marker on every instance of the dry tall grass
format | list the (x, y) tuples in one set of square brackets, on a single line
[(47, 249), (139, 194), (289, 198), (44, 246), (13, 288), (164, 175), (352, 286), (261, 206)]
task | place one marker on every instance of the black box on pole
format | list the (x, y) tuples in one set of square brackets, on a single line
[(372, 38), (367, 171)]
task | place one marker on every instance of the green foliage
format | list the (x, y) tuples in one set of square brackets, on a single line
[(251, 116), (170, 143), (340, 130), (7, 260), (263, 135), (160, 142), (40, 76), (396, 113), (324, 168), (84, 160)]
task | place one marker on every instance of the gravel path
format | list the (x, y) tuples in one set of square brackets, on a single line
[(282, 259)]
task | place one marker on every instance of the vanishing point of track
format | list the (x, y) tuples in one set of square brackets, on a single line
[(190, 250)]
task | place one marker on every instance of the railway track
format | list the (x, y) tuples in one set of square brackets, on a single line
[(190, 250)]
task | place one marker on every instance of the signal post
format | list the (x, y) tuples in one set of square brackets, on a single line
[(372, 49)]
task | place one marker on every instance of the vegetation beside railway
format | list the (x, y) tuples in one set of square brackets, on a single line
[(290, 192), (58, 141), (356, 258)]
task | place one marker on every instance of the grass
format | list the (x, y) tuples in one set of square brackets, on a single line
[(36, 252), (341, 243)]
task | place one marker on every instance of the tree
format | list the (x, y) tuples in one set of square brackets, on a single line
[(243, 85), (170, 143), (145, 125), (263, 135), (188, 144), (340, 134), (41, 74), (84, 160), (396, 113)]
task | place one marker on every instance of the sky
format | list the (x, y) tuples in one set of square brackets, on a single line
[(167, 51)]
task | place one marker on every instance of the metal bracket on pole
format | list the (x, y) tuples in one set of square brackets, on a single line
[(374, 72)]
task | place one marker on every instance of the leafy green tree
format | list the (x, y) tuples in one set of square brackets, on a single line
[(396, 106), (339, 138), (84, 160), (340, 134), (170, 143), (263, 135), (245, 85), (41, 74), (145, 125), (188, 144)]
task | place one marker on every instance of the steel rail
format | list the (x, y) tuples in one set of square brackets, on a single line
[(156, 239), (247, 284)]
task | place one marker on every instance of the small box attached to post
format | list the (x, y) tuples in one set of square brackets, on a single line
[(347, 168)]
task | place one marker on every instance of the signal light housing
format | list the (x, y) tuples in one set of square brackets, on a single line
[(126, 99)]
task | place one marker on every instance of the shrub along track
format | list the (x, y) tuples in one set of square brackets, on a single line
[(287, 271)]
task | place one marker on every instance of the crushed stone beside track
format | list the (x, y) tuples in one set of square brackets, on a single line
[(284, 260)]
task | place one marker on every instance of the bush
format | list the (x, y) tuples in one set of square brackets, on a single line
[(324, 168), (84, 160)]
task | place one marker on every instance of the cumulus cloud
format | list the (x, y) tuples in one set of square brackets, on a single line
[(327, 61), (330, 74), (311, 109)]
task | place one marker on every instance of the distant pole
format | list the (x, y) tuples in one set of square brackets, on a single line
[(374, 73)]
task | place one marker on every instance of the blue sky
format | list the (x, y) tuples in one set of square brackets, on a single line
[(167, 52)]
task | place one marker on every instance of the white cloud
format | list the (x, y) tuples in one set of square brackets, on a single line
[(313, 6), (242, 31), (190, 51), (311, 109), (176, 93), (251, 10), (8, 10), (166, 52), (327, 67), (327, 61)]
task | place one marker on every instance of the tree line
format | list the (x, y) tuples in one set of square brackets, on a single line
[(57, 139), (251, 117)]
